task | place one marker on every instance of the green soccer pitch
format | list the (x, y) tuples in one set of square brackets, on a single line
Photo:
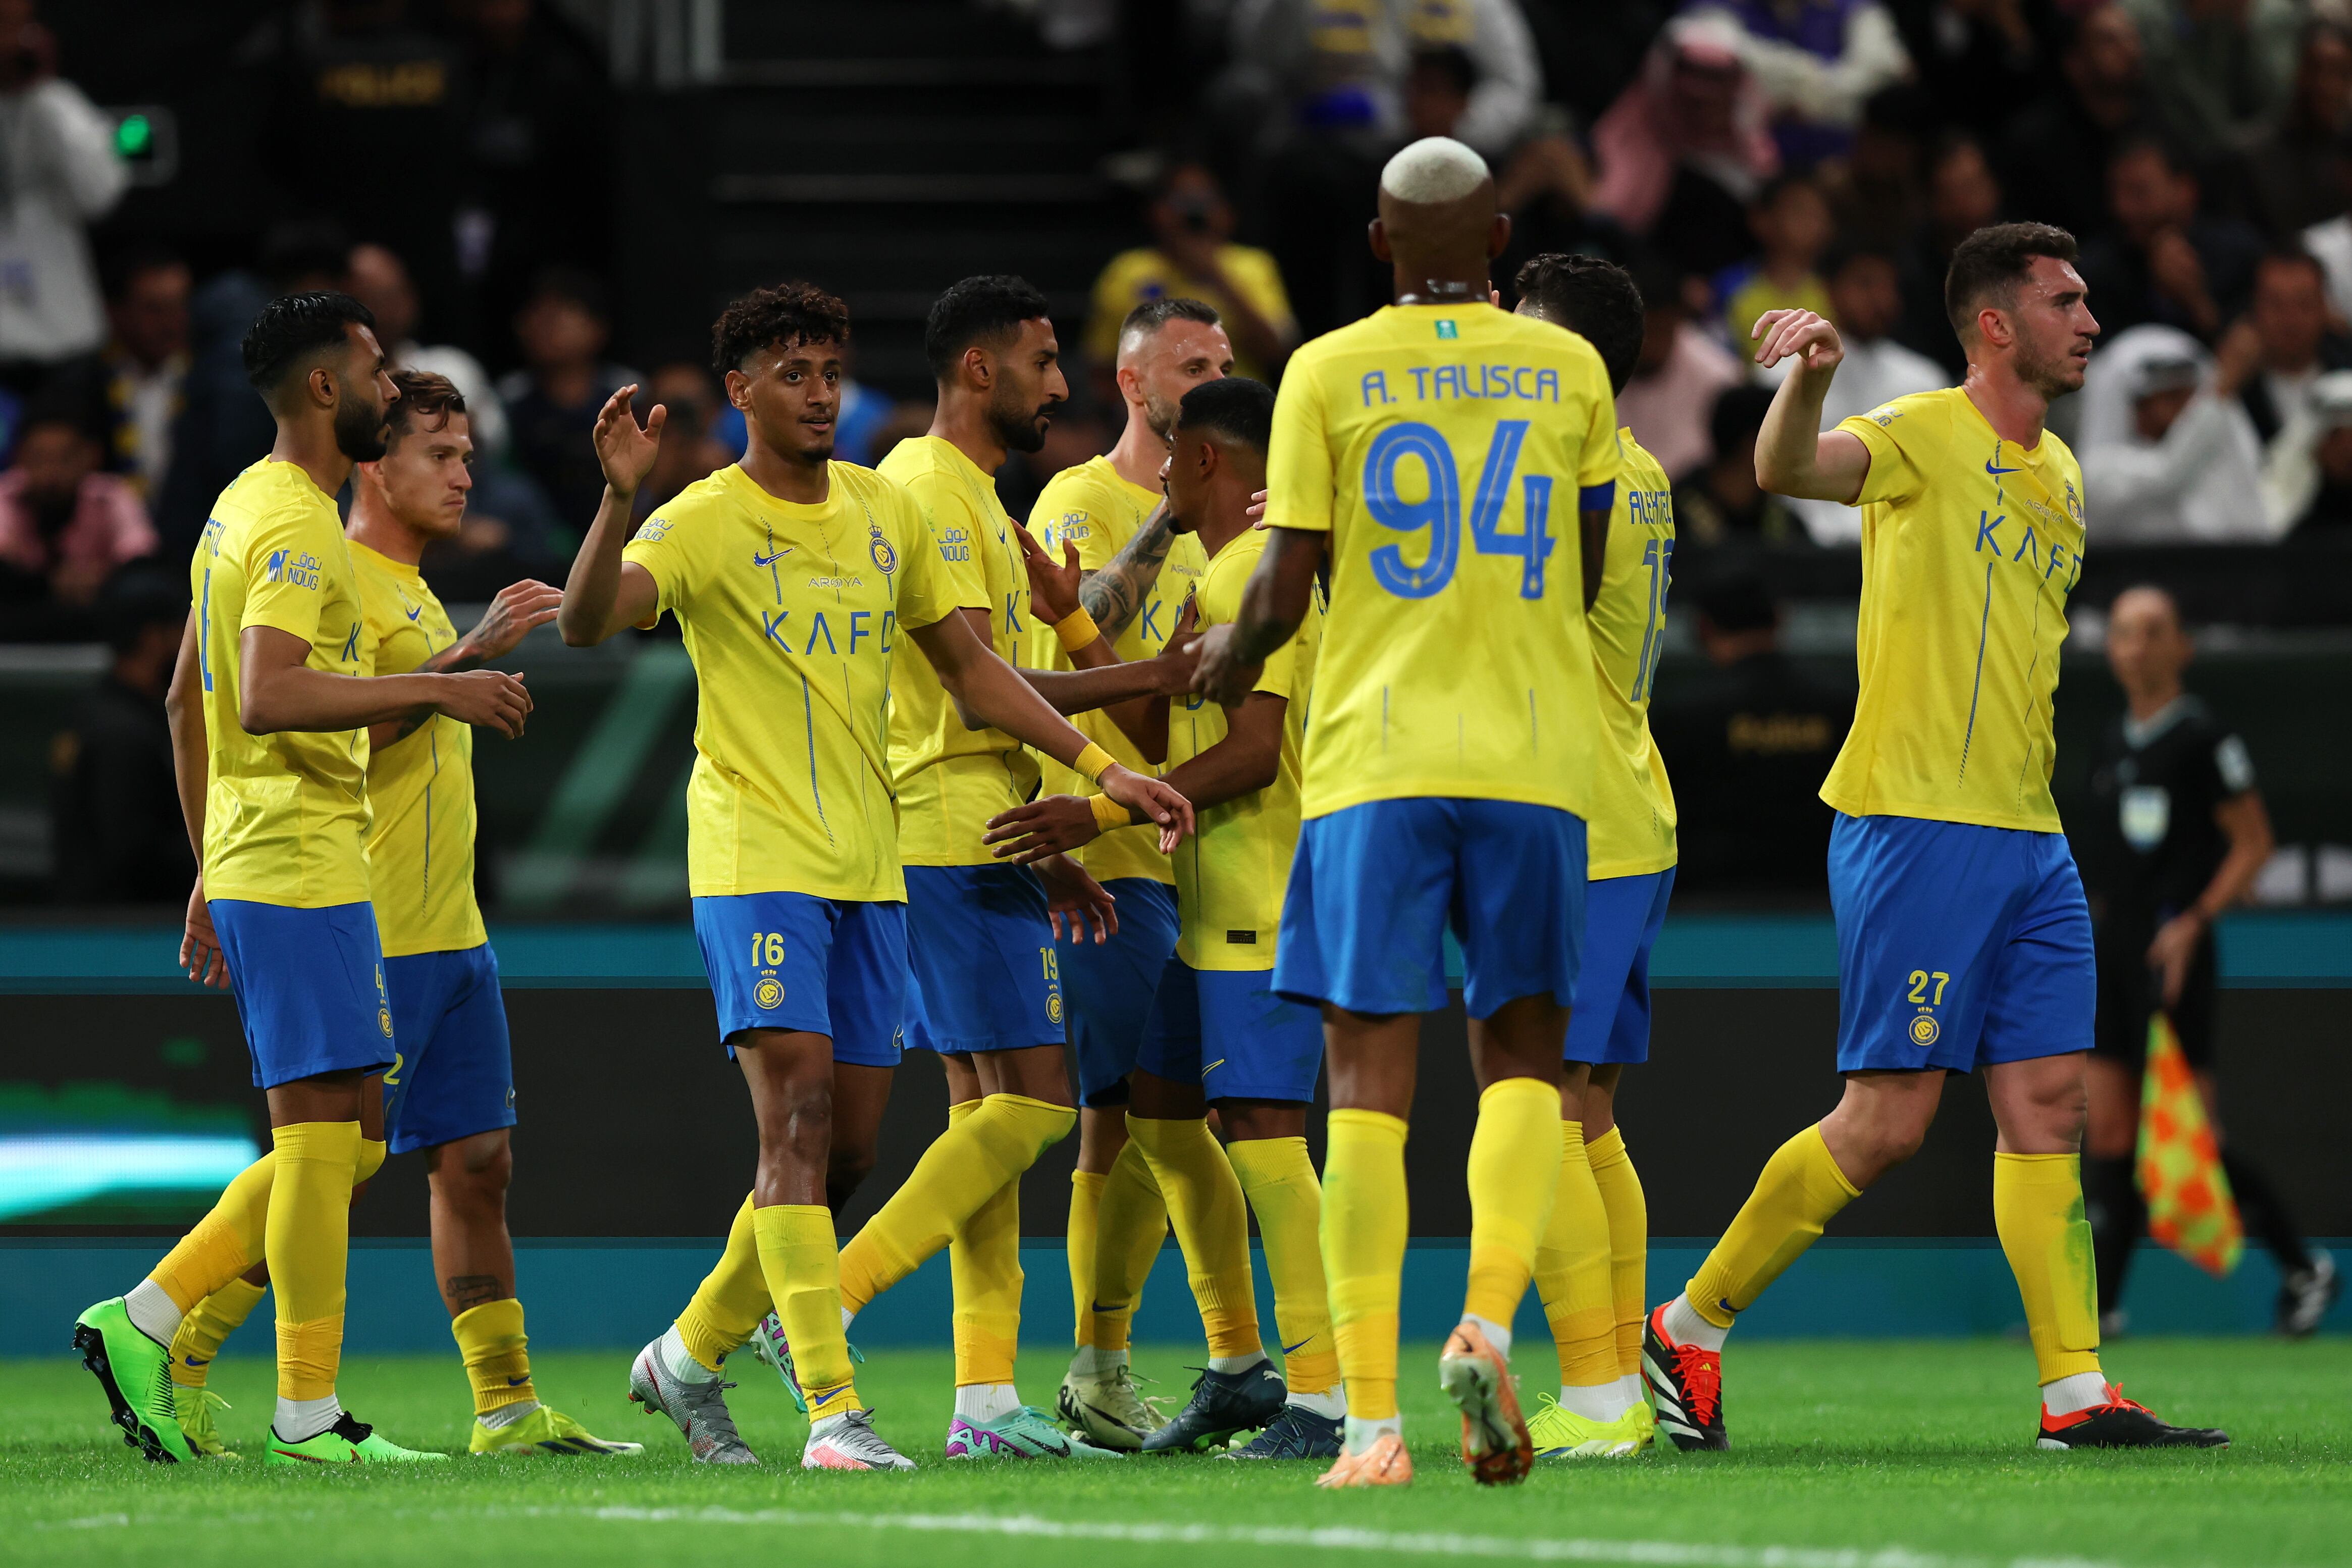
[(1850, 1455)]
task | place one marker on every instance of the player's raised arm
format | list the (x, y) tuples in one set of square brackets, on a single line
[(605, 594), (1793, 456)]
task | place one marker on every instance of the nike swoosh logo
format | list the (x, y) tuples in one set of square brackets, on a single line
[(1727, 1306), (417, 612), (518, 1382), (193, 1361), (1293, 1350), (1991, 469), (760, 560), (315, 1459)]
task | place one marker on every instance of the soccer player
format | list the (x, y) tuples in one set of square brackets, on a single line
[(1107, 513), (1434, 455), (270, 703), (1963, 938), (1218, 1035), (1590, 1268), (794, 578), (983, 991), (451, 1085)]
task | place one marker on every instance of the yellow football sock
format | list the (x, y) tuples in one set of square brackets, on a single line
[(497, 1354), (206, 1326), (2037, 1210), (1572, 1270), (1086, 1223), (224, 1243), (984, 1279), (801, 1258), (1130, 1222), (1212, 1221), (964, 1167), (1629, 1243), (308, 1243), (1278, 1179), (727, 1305), (1800, 1191), (1518, 1133), (370, 1160), (1365, 1224)]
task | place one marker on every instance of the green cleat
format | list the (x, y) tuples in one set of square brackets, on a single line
[(196, 1405), (545, 1431), (136, 1374), (1024, 1432), (1559, 1433), (347, 1442)]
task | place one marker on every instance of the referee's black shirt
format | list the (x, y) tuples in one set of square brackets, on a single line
[(2150, 846)]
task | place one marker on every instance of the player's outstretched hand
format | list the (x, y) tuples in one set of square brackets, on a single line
[(519, 609), (1181, 657), (1151, 799), (1256, 509), (1780, 334), (1043, 827), (1053, 589), (1071, 895), (624, 452), (200, 953), (489, 698), (1221, 677)]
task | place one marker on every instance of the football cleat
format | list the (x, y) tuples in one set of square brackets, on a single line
[(195, 1406), (1296, 1434), (136, 1375), (349, 1441), (848, 1442), (545, 1431), (699, 1409), (1494, 1435), (1384, 1463), (770, 1348), (2305, 1294), (1222, 1404), (1106, 1409), (1686, 1382), (2122, 1423), (1024, 1432), (1559, 1433)]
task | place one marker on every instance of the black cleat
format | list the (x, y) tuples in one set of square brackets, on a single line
[(2121, 1423), (1296, 1434), (1222, 1404), (2305, 1296), (1686, 1385)]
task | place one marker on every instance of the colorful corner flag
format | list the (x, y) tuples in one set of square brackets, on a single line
[(2189, 1208)]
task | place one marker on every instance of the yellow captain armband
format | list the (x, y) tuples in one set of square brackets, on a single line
[(1108, 813), (1077, 630), (1093, 762)]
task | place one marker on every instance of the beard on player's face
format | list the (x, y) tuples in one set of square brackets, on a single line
[(360, 430), (1160, 412), (1019, 416)]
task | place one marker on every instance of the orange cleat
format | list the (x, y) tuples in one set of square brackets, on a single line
[(1494, 1442), (1384, 1463)]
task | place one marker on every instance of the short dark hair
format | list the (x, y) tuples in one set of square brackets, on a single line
[(292, 330), (1595, 298), (426, 401), (1781, 183), (988, 309), (784, 315), (1451, 61), (1738, 414), (131, 262), (2166, 150), (2293, 256), (571, 286), (1849, 249), (1991, 262), (1148, 318), (1232, 408)]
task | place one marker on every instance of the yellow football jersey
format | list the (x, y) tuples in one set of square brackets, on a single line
[(286, 816), (1092, 506), (1969, 547), (1443, 448), (1631, 830), (952, 779), (1230, 875), (421, 787), (793, 615)]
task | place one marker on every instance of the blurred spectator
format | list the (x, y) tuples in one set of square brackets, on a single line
[(2308, 481), (1677, 377), (117, 828), (1816, 63), (2288, 335), (2165, 260), (1875, 194), (1750, 743), (2169, 454), (131, 394), (552, 404), (1686, 148), (1192, 254), (2055, 157), (1791, 221), (1866, 304), (58, 173), (63, 523), (688, 451), (1979, 59), (2219, 74), (377, 278), (2293, 169), (1962, 197), (1720, 502)]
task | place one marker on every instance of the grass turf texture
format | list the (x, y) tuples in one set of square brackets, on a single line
[(1844, 1451)]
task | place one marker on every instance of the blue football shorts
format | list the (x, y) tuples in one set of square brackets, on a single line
[(835, 967)]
